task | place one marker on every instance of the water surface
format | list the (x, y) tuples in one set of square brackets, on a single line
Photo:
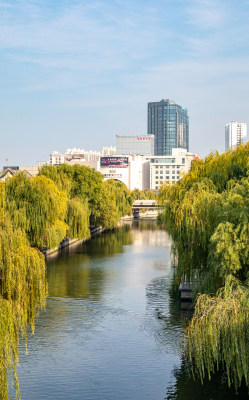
[(111, 329)]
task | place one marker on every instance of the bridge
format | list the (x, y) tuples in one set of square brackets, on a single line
[(145, 208)]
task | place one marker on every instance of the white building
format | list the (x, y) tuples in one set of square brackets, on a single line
[(56, 158), (108, 151), (169, 169), (76, 156), (133, 171), (79, 154), (235, 134)]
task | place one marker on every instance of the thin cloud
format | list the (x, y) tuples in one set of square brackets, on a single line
[(78, 29), (206, 14), (62, 59)]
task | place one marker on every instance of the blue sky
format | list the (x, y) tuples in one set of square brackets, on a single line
[(76, 73)]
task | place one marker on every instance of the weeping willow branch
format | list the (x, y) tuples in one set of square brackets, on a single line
[(23, 290), (218, 335), (206, 213)]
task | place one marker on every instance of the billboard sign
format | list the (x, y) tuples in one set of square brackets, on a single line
[(114, 162)]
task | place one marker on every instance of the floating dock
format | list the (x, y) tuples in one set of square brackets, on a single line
[(186, 293)]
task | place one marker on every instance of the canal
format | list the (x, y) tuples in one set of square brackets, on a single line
[(112, 329)]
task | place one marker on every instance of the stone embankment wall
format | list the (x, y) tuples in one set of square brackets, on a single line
[(67, 242)]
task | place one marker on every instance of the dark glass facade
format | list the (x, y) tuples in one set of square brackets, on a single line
[(169, 122)]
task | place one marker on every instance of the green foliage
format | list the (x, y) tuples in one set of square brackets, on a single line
[(54, 234), (35, 204), (109, 212), (207, 215), (40, 212), (84, 182), (145, 194), (107, 201), (77, 219), (218, 335), (23, 291), (220, 168), (57, 175), (123, 196), (224, 251), (9, 339)]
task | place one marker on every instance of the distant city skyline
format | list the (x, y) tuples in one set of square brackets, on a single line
[(78, 73)]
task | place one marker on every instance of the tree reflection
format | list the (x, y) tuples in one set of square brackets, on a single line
[(85, 276), (186, 388)]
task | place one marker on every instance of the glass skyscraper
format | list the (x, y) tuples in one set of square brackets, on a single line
[(169, 122)]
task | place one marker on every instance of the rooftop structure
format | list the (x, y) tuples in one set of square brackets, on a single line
[(75, 156), (137, 144), (109, 151)]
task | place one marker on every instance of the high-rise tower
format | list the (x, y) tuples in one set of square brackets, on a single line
[(169, 122), (235, 134)]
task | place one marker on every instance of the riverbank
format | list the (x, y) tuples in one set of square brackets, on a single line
[(96, 339), (67, 242), (96, 230)]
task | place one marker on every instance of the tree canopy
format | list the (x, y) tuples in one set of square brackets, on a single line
[(106, 201), (206, 213), (23, 292), (38, 212)]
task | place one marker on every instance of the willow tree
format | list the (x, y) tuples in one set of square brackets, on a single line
[(62, 180), (146, 194), (23, 291), (86, 184), (207, 215), (39, 207), (218, 335), (77, 219), (123, 196)]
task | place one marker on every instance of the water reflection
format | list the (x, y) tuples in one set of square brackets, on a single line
[(112, 327), (100, 337), (168, 332), (85, 277), (185, 388)]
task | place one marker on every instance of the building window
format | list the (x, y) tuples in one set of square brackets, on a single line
[(163, 160), (173, 177), (183, 160)]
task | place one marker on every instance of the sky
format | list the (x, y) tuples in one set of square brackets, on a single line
[(75, 73)]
